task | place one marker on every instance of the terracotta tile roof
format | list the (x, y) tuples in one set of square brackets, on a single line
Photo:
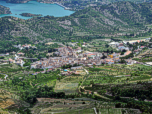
[(128, 52)]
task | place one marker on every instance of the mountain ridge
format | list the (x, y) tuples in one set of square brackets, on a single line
[(105, 20), (77, 5)]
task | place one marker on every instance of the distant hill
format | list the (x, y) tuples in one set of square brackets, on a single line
[(135, 1), (78, 4), (4, 10), (16, 1), (112, 19)]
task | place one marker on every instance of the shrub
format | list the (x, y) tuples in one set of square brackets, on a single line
[(118, 105)]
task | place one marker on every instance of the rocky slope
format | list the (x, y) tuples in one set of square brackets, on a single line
[(4, 10), (12, 27)]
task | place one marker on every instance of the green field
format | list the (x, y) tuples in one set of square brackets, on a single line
[(117, 74), (69, 84)]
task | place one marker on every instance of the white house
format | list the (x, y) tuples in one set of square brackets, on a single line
[(114, 44), (33, 66)]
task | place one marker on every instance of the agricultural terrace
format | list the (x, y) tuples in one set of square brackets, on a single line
[(28, 87), (21, 80), (69, 84), (145, 56), (46, 105), (118, 74), (62, 106), (100, 46)]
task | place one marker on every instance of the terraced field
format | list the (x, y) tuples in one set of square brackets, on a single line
[(69, 84), (117, 74)]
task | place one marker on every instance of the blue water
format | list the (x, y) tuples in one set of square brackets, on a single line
[(35, 8)]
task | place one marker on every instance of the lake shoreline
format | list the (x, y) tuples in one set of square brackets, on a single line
[(34, 7)]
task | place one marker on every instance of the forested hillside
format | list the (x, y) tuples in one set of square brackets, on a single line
[(136, 1), (78, 4), (119, 17), (4, 10)]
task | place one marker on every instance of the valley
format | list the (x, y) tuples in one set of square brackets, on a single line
[(96, 60)]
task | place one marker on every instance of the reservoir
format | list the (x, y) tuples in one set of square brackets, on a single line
[(34, 7)]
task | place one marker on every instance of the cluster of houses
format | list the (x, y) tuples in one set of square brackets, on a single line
[(75, 56), (17, 60), (4, 54), (68, 51), (134, 41), (71, 55), (120, 46), (24, 46)]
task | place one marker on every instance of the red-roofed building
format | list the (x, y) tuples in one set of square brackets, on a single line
[(142, 47), (120, 44), (109, 61), (79, 48), (127, 53), (20, 54)]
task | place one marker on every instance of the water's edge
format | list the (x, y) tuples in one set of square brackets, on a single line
[(34, 7)]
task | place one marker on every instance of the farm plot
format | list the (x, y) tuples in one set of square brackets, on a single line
[(9, 68), (72, 79), (110, 111), (114, 74), (68, 88), (61, 106), (69, 84), (98, 79)]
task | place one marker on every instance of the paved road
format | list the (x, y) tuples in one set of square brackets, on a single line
[(120, 76), (86, 71), (95, 110), (83, 80)]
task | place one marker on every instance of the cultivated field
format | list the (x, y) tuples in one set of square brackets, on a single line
[(69, 84), (118, 74), (45, 105)]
